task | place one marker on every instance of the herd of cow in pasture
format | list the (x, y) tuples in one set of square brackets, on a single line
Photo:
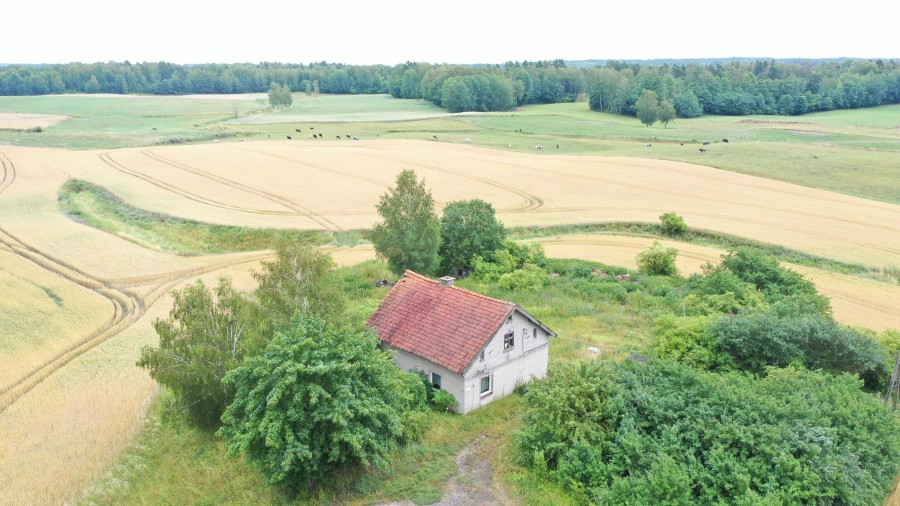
[(538, 147)]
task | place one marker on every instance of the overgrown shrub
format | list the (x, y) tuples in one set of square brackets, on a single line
[(511, 257), (527, 279), (442, 401), (763, 271), (761, 340), (686, 340), (673, 225), (657, 260), (664, 433)]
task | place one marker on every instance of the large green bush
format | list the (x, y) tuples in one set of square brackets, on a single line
[(319, 398), (672, 224), (763, 271), (657, 260), (760, 340), (665, 433)]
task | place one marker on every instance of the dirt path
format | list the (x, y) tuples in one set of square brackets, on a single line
[(473, 484)]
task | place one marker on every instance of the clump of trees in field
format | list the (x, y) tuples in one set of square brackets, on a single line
[(684, 89), (280, 96)]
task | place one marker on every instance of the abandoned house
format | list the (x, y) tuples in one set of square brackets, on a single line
[(475, 347)]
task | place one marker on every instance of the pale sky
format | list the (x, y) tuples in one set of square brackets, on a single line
[(448, 31)]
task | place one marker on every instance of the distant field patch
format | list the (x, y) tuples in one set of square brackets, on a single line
[(24, 121), (306, 111)]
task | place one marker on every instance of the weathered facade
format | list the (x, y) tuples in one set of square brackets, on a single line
[(476, 348)]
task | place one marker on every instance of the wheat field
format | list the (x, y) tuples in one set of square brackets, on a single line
[(70, 395)]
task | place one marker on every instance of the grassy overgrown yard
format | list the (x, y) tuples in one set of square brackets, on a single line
[(172, 463)]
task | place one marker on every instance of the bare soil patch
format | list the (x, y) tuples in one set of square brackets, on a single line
[(24, 121)]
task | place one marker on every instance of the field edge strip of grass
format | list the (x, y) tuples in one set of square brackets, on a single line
[(214, 238)]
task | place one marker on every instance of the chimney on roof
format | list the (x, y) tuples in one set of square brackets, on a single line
[(447, 280)]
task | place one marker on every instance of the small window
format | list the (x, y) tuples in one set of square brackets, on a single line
[(481, 356), (436, 381), (524, 334), (534, 334), (509, 340), (485, 385)]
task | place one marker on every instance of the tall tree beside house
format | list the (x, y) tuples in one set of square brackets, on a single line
[(300, 279), (208, 332), (468, 228), (409, 236)]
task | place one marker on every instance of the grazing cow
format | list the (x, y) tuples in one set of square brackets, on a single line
[(297, 130), (289, 137), (269, 135), (435, 137), (537, 148), (356, 138), (557, 146), (648, 145), (724, 140), (348, 136), (338, 137), (312, 128), (320, 136), (702, 151), (468, 141), (215, 141), (682, 144), (706, 143)]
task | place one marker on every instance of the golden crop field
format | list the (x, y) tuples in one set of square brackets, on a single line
[(70, 395), (334, 186)]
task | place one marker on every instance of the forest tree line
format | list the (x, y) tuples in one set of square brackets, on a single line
[(693, 89)]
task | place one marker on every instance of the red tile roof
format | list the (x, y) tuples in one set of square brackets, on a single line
[(443, 324)]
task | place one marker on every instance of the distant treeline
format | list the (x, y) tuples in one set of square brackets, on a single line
[(736, 87)]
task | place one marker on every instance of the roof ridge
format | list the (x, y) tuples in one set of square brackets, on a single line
[(437, 282)]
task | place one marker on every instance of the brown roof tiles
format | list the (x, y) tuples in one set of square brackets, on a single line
[(443, 324)]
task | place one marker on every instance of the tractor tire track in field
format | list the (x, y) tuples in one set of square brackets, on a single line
[(318, 167), (531, 202), (127, 306), (9, 172), (295, 210), (277, 199)]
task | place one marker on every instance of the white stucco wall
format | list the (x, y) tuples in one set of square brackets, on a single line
[(450, 381), (526, 359)]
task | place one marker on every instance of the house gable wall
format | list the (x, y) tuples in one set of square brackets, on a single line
[(525, 360)]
